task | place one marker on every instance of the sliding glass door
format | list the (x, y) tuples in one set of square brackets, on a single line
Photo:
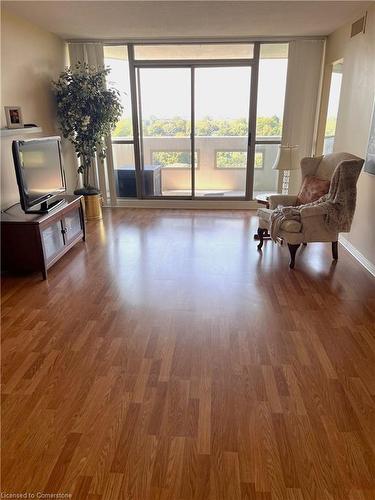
[(202, 109), (164, 97), (222, 106)]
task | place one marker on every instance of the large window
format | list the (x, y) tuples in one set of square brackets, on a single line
[(333, 107), (202, 98)]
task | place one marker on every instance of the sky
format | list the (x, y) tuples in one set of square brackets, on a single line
[(221, 93)]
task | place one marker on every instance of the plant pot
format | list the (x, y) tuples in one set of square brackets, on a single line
[(88, 190), (93, 206)]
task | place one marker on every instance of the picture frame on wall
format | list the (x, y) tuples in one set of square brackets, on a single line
[(370, 156), (13, 116)]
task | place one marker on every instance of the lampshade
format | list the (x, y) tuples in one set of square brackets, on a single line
[(287, 158)]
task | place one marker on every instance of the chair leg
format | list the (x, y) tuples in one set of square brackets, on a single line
[(260, 236), (335, 250), (292, 250)]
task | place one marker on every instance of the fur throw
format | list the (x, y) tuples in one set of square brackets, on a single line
[(279, 215)]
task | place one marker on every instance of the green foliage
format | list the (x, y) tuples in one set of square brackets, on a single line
[(181, 159), (124, 128), (231, 159), (178, 127), (237, 159), (269, 126), (224, 159), (210, 127), (86, 110)]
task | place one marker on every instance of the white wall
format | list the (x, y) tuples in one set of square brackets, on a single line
[(301, 97), (30, 59), (354, 118)]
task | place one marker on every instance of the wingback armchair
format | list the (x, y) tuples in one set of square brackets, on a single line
[(311, 226)]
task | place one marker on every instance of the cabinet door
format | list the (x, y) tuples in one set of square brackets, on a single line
[(53, 240), (73, 225)]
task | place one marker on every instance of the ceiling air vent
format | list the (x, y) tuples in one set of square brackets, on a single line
[(358, 26)]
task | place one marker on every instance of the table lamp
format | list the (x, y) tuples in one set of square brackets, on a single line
[(286, 160)]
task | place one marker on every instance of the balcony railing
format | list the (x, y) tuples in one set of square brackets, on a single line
[(220, 163)]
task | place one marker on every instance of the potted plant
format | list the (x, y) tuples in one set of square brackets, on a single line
[(87, 111)]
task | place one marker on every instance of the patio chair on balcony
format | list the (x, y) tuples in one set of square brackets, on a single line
[(323, 208)]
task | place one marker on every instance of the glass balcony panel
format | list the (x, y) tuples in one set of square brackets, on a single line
[(173, 159), (170, 159), (231, 159)]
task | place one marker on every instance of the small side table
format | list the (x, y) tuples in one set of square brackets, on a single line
[(263, 199)]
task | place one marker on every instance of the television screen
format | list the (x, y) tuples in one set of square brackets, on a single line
[(39, 170)]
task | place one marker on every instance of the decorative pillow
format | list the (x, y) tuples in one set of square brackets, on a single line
[(312, 189)]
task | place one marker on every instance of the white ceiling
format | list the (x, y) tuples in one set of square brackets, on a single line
[(174, 19)]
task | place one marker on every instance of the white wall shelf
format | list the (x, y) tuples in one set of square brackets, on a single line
[(8, 132)]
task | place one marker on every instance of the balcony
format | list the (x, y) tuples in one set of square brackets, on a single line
[(220, 164)]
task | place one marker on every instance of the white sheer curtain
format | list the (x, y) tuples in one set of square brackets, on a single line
[(93, 55), (90, 53), (302, 96)]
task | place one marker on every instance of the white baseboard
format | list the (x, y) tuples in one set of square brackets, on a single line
[(357, 255)]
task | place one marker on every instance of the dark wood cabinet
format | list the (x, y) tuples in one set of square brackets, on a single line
[(35, 242)]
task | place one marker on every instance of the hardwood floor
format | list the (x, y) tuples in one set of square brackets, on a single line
[(168, 359)]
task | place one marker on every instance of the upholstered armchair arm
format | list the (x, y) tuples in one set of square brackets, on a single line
[(312, 211), (286, 200), (314, 227)]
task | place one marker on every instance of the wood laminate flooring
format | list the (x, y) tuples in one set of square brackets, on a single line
[(167, 359)]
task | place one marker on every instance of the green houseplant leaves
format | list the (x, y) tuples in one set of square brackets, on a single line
[(87, 111)]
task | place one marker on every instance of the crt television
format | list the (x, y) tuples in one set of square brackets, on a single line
[(40, 173)]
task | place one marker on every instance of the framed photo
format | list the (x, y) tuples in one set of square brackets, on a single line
[(370, 157), (13, 116)]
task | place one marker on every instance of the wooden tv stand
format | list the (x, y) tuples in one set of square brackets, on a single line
[(34, 242)]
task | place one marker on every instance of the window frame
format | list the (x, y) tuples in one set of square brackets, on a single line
[(253, 142)]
